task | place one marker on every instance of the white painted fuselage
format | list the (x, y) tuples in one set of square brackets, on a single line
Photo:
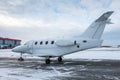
[(54, 48)]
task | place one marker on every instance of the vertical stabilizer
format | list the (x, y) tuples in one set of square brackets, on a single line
[(96, 29)]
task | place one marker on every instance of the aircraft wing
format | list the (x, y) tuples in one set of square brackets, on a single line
[(104, 49)]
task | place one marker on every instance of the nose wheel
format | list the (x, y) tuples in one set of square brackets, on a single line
[(21, 58)]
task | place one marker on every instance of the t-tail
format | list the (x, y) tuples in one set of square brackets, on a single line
[(95, 30)]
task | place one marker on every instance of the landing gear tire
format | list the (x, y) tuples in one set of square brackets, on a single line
[(60, 59), (47, 61), (20, 59)]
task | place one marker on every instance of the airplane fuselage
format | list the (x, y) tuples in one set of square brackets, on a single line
[(54, 48)]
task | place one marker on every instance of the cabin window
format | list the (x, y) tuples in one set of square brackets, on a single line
[(36, 43), (84, 41), (46, 42), (41, 43), (52, 42)]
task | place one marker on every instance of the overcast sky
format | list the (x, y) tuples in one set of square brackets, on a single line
[(38, 19)]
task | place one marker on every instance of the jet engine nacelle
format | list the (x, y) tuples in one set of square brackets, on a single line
[(65, 43)]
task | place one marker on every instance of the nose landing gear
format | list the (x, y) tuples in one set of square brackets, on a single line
[(21, 58), (47, 61)]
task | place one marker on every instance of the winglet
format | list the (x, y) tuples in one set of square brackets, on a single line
[(105, 16)]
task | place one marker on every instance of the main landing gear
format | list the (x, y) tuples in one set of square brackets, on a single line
[(60, 59), (21, 58), (48, 61)]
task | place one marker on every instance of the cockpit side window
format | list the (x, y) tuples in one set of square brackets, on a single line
[(25, 44)]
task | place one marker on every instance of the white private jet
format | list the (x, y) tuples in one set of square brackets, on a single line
[(58, 48)]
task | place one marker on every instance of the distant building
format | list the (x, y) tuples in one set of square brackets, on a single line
[(6, 43)]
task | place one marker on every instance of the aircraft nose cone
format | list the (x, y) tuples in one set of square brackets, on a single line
[(16, 49), (13, 50), (20, 49)]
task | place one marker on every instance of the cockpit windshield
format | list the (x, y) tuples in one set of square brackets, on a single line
[(25, 44)]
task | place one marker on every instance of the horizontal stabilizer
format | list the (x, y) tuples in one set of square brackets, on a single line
[(105, 16), (109, 21)]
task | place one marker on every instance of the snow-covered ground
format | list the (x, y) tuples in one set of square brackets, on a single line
[(96, 53), (29, 74), (28, 70), (8, 53)]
